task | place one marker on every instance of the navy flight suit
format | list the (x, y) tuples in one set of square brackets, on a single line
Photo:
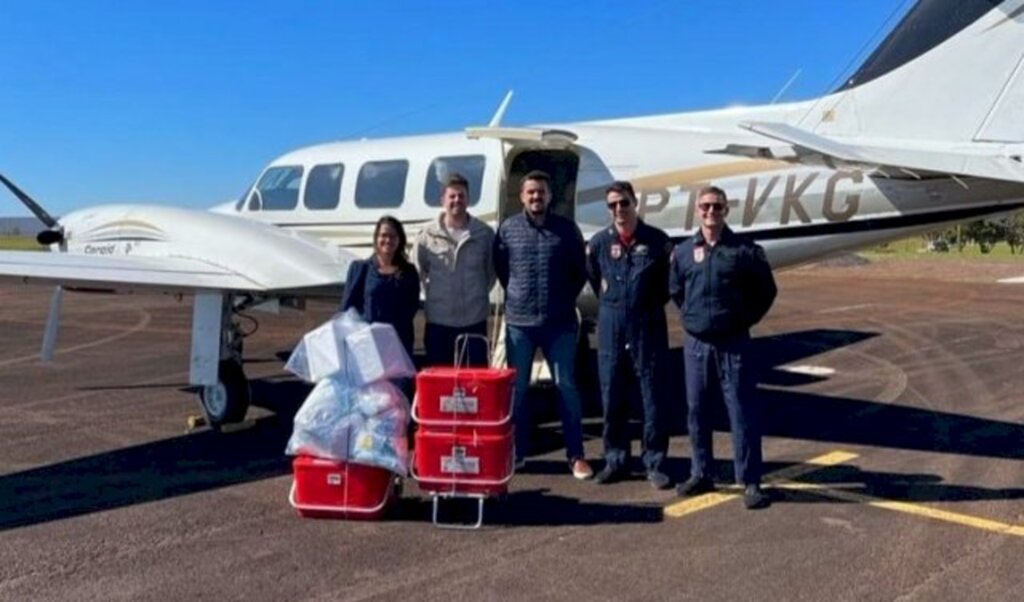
[(722, 291), (631, 282)]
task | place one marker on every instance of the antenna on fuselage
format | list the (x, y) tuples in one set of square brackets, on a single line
[(786, 86), (500, 113)]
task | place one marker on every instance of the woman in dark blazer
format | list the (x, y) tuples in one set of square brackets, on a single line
[(385, 287)]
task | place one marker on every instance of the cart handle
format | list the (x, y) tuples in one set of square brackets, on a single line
[(455, 421)]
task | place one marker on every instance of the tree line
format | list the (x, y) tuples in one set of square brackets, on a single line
[(985, 233)]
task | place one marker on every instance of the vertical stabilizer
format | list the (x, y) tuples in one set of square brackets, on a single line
[(950, 71)]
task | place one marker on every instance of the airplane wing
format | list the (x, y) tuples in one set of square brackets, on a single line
[(156, 274), (803, 146)]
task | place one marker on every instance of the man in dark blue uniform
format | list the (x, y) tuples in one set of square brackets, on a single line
[(627, 265), (723, 285)]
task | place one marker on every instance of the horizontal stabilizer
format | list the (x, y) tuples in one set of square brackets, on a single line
[(810, 148)]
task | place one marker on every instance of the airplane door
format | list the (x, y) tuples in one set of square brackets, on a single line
[(528, 149), (563, 167)]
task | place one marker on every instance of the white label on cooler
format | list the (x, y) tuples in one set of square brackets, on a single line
[(458, 402), (459, 462), (334, 478)]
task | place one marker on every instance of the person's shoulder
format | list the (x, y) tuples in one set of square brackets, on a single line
[(357, 266), (478, 227), (430, 228), (653, 234), (602, 236), (564, 225), (682, 252), (511, 222), (748, 246)]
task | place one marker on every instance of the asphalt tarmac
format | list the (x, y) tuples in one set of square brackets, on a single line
[(894, 444)]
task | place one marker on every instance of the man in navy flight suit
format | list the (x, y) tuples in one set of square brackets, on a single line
[(627, 266), (723, 285)]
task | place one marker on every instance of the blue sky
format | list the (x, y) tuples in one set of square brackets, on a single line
[(184, 102)]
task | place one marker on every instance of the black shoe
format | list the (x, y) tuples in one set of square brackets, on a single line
[(609, 474), (695, 486), (755, 498), (658, 479)]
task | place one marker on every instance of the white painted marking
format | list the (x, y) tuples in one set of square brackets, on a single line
[(1017, 280), (810, 370), (835, 310)]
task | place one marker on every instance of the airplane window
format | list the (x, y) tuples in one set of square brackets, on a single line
[(279, 188), (381, 184), (323, 186), (470, 166)]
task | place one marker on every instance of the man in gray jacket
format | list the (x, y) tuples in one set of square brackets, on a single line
[(453, 254)]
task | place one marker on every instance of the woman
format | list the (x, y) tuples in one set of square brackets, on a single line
[(385, 287)]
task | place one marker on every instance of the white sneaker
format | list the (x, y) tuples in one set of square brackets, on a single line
[(581, 470)]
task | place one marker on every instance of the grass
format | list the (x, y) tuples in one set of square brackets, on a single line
[(19, 243), (914, 248)]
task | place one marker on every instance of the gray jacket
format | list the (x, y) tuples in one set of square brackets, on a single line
[(457, 278)]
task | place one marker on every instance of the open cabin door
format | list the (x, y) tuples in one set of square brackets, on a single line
[(528, 149)]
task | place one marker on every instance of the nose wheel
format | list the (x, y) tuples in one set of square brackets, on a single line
[(226, 401)]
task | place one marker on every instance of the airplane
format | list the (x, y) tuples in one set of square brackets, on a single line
[(929, 131)]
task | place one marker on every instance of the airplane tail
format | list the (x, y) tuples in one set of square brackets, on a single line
[(951, 71)]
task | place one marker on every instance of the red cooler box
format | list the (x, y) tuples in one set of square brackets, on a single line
[(477, 396), (329, 489), (465, 459)]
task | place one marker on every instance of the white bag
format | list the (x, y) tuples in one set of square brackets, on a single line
[(366, 425), (376, 353), (321, 353), (326, 423)]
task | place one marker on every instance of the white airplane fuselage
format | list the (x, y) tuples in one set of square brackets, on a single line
[(799, 213)]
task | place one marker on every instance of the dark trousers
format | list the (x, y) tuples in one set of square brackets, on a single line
[(439, 342), (723, 370), (614, 369)]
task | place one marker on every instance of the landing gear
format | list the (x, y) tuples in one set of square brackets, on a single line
[(216, 371), (226, 401)]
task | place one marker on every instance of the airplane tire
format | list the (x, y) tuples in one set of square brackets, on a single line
[(228, 400)]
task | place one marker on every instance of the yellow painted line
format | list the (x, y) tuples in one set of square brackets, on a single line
[(919, 510), (709, 500)]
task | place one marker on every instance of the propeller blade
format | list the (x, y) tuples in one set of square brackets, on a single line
[(26, 200)]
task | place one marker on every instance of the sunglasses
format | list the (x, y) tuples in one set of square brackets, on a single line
[(621, 204), (712, 207)]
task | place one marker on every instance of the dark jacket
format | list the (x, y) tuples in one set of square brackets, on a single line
[(631, 283), (390, 298), (721, 290), (542, 268), (633, 278)]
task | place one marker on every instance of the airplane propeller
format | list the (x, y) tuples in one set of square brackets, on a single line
[(53, 233)]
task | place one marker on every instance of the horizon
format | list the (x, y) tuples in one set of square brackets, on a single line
[(185, 104)]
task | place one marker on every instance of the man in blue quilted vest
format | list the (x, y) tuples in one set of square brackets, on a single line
[(539, 260)]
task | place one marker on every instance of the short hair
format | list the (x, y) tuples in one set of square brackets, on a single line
[(622, 187), (455, 179), (715, 190), (537, 176)]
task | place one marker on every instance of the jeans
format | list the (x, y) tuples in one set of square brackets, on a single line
[(558, 344)]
